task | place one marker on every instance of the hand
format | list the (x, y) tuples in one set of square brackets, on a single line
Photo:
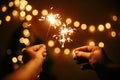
[(35, 52), (93, 54)]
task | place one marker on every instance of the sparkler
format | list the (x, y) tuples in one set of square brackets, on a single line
[(64, 31)]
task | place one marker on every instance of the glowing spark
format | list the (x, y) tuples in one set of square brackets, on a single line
[(64, 34)]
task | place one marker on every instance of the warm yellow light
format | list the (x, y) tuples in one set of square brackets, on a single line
[(101, 27), (115, 18), (35, 12), (113, 34), (68, 20), (21, 40), (26, 25), (92, 28), (14, 60), (26, 33), (91, 43), (26, 42), (51, 19), (22, 14), (76, 23), (83, 26), (67, 51), (10, 4), (17, 3), (28, 8), (51, 43), (20, 58), (58, 23), (15, 13), (108, 25), (101, 44), (8, 18), (0, 22), (23, 4), (44, 12), (28, 18), (57, 50), (4, 9)]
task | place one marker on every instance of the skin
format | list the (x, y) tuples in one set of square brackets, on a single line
[(31, 69)]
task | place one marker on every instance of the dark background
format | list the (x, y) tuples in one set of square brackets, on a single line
[(61, 66)]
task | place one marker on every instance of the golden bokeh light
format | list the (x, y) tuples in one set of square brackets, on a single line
[(67, 51), (21, 40), (10, 4), (26, 25), (101, 27), (23, 4), (57, 50), (58, 23), (83, 26), (92, 28), (101, 44), (44, 12), (113, 34), (51, 43), (7, 18), (17, 3), (22, 14), (28, 8), (26, 33), (15, 13), (91, 43), (4, 9), (14, 60), (76, 23), (35, 12), (108, 25), (114, 18), (28, 18), (68, 20), (26, 41), (20, 58)]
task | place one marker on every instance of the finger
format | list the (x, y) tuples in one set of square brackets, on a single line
[(83, 54), (83, 48)]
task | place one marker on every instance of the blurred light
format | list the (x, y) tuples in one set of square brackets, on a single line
[(15, 13), (8, 18), (0, 22), (58, 23), (101, 27), (101, 44), (26, 42), (16, 66), (23, 4), (67, 51), (9, 51), (26, 33), (115, 18), (57, 50), (10, 4), (22, 14), (83, 26), (91, 43), (108, 25), (51, 43), (20, 58), (28, 18), (68, 20), (28, 8), (4, 9), (14, 60), (26, 24), (76, 23), (44, 12), (113, 34), (17, 3), (35, 12), (21, 40), (92, 28)]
